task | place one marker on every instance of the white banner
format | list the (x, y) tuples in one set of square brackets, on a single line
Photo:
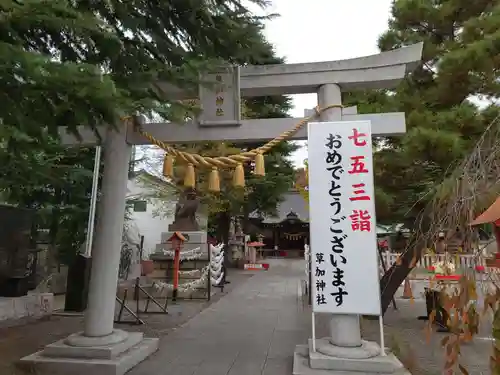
[(345, 276)]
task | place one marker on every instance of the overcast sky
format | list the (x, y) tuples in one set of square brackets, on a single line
[(324, 30)]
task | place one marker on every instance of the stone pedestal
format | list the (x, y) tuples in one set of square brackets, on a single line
[(163, 264), (236, 250), (252, 255), (365, 359), (80, 355)]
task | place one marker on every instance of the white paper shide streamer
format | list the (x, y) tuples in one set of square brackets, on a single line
[(192, 254), (216, 264), (215, 267)]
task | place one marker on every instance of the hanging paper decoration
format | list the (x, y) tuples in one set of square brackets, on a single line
[(293, 236), (192, 254), (216, 264), (215, 268), (191, 286)]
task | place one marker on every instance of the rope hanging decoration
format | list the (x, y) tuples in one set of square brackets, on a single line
[(235, 162)]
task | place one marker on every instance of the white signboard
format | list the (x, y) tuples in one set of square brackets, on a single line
[(220, 97), (345, 277)]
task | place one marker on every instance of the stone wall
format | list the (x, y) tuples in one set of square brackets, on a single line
[(20, 310), (190, 268)]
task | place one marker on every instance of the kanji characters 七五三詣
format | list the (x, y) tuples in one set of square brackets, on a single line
[(360, 218)]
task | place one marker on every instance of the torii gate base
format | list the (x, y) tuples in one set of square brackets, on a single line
[(60, 358), (307, 362)]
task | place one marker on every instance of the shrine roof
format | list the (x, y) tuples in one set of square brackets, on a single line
[(491, 215), (293, 203)]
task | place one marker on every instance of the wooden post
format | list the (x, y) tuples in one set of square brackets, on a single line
[(177, 241), (177, 259)]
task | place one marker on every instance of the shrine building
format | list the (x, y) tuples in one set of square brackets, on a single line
[(285, 233)]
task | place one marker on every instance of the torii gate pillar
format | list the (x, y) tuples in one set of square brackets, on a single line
[(344, 352), (344, 329), (100, 349)]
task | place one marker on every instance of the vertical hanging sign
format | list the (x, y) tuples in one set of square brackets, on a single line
[(220, 97), (345, 277)]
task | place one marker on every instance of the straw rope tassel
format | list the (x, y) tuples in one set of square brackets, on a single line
[(189, 178), (232, 161), (214, 180), (239, 176), (260, 169), (168, 166)]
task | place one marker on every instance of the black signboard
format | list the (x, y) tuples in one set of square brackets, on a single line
[(17, 255)]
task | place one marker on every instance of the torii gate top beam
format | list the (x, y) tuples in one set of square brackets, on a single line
[(383, 70)]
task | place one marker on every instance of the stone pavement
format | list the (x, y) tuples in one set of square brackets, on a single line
[(254, 330), (19, 341), (251, 331)]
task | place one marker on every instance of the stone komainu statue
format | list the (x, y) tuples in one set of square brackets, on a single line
[(185, 213)]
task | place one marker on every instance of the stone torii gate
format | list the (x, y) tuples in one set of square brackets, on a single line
[(100, 348)]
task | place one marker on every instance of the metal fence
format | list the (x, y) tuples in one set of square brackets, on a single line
[(459, 260)]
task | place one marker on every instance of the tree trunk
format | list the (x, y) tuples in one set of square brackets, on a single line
[(398, 272), (53, 254), (222, 233), (245, 220)]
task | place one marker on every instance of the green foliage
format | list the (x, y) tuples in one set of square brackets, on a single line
[(460, 62), (70, 63), (261, 194), (56, 182), (42, 87), (267, 192)]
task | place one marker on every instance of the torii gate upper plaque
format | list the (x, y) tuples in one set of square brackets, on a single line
[(220, 100)]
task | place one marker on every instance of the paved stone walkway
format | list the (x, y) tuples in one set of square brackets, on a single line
[(251, 331), (254, 329), (17, 342)]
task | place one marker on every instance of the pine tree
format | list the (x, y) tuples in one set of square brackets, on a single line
[(261, 194), (460, 62), (70, 63)]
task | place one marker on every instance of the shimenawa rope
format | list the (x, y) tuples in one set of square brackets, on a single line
[(234, 161)]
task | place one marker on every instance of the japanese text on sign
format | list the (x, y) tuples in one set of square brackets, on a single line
[(343, 239), (220, 100)]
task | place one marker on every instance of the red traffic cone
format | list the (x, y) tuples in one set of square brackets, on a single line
[(407, 293)]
